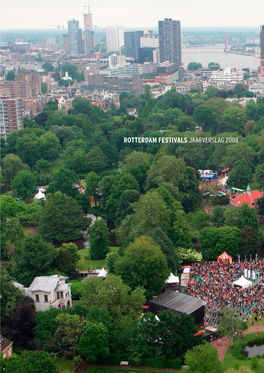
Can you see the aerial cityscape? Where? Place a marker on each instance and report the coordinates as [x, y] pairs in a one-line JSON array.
[[132, 175]]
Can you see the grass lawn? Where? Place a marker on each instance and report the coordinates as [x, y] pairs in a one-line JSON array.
[[84, 264], [230, 360], [128, 370], [65, 366], [26, 230], [57, 165]]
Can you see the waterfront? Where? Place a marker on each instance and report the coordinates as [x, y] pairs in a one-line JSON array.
[[225, 59]]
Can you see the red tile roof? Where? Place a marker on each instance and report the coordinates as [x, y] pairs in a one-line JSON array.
[[248, 198]]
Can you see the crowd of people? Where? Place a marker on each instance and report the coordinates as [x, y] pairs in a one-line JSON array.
[[213, 282]]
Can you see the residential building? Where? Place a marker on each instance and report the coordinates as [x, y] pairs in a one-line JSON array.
[[248, 197], [227, 76], [10, 116], [132, 43], [66, 45], [48, 292], [114, 38], [75, 37], [262, 45], [170, 41], [117, 60], [149, 40], [148, 54], [6, 347]]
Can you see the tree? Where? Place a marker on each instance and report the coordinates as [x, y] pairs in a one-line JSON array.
[[10, 75], [21, 322], [10, 207], [92, 185], [218, 216], [12, 164], [47, 66], [203, 359], [143, 265], [240, 175], [28, 149], [180, 233], [230, 323], [95, 159], [67, 259], [134, 159], [127, 198], [231, 216], [203, 116], [33, 257], [62, 219], [99, 243], [250, 243], [211, 91], [150, 212], [29, 362], [240, 151], [32, 213], [64, 181], [239, 89], [94, 341], [24, 184], [164, 338], [194, 66], [247, 216], [67, 335], [200, 220], [112, 295], [213, 64], [44, 87], [49, 146], [259, 174], [9, 294], [236, 118], [46, 327]]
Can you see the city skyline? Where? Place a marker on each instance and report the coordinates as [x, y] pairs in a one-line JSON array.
[[136, 14]]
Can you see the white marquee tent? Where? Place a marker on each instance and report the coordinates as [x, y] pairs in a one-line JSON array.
[[172, 279], [39, 196], [242, 282]]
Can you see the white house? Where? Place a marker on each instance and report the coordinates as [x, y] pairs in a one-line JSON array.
[[49, 291]]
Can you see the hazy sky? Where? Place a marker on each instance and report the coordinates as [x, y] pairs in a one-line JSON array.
[[34, 14]]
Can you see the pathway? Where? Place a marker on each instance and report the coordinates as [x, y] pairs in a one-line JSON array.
[[221, 344]]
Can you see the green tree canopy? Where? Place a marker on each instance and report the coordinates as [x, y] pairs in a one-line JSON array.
[[10, 75], [99, 243], [64, 181], [24, 184], [12, 164], [229, 324], [62, 219], [67, 259], [94, 341], [203, 359], [143, 265], [194, 66], [113, 295]]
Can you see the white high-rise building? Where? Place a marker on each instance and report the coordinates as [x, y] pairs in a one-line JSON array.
[[114, 38]]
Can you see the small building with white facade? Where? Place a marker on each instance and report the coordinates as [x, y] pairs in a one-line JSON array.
[[49, 291]]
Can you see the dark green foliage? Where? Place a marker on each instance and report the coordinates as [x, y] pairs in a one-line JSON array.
[[29, 362], [143, 265], [24, 184], [99, 243], [67, 259], [94, 341], [203, 359], [250, 243], [10, 75], [62, 219], [65, 182], [194, 66]]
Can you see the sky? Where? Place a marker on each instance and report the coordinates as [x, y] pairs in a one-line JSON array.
[[33, 14]]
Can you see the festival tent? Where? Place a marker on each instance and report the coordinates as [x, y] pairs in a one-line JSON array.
[[172, 279], [102, 273], [39, 196], [242, 282], [224, 257], [208, 176]]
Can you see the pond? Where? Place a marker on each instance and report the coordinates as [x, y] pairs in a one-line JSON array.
[[253, 350]]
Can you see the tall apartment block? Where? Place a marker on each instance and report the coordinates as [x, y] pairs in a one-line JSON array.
[[88, 34], [262, 45], [132, 43], [170, 41], [75, 37], [10, 116], [114, 38]]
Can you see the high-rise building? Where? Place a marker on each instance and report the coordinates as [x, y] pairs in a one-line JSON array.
[[88, 21], [88, 34], [75, 37], [114, 38], [170, 41], [132, 43], [262, 45], [10, 116]]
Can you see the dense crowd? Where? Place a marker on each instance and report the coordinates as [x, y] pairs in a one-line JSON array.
[[213, 282]]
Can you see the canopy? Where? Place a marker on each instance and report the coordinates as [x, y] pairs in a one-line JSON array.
[[172, 279], [39, 196], [102, 273], [224, 257], [208, 176], [242, 282]]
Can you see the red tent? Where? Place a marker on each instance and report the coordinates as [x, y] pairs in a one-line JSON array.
[[224, 257]]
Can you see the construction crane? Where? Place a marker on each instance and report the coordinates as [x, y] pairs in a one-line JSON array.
[[57, 26], [89, 7]]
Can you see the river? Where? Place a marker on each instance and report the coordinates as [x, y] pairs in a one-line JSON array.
[[225, 59]]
